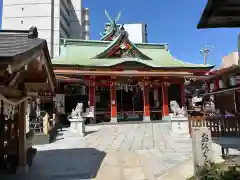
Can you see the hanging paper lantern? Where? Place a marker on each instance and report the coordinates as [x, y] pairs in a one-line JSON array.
[[212, 86], [221, 84], [112, 83], [126, 88], [155, 94], [166, 83], [233, 81], [131, 88], [83, 90]]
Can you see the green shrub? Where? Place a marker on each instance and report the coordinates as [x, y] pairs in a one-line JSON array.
[[217, 172], [232, 173]]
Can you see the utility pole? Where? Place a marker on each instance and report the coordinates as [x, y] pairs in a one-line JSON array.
[[205, 52]]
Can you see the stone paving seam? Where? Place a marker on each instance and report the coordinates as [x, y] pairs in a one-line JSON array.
[[169, 169]]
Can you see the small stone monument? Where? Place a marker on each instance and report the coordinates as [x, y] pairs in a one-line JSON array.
[[77, 121], [202, 148]]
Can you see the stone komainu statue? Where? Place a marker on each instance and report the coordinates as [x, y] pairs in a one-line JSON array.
[[175, 108], [77, 113]]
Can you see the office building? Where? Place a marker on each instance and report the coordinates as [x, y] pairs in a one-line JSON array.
[[54, 19]]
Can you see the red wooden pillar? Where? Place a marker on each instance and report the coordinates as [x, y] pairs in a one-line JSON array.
[[91, 91], [146, 115], [92, 102], [92, 94], [165, 110], [113, 102], [208, 86], [216, 84], [92, 99], [183, 98]]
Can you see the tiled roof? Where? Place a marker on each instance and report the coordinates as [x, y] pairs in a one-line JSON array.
[[13, 43], [17, 45]]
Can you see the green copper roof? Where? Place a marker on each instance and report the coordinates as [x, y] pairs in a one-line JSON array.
[[109, 32], [82, 53], [122, 40]]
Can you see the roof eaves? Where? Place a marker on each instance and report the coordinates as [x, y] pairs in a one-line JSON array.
[[208, 13], [204, 16], [152, 45], [65, 41], [194, 65]]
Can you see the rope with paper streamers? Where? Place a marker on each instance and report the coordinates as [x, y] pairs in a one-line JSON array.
[[13, 103]]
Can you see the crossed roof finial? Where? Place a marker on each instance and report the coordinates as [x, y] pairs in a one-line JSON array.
[[110, 19]]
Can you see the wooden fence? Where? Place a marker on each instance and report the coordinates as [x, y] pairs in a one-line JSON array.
[[219, 126]]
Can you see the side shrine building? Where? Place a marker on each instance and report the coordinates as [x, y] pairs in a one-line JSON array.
[[121, 80]]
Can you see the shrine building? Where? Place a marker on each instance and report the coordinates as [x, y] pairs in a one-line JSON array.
[[123, 80], [223, 84]]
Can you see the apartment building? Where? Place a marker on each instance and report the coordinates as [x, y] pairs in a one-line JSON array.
[[54, 19], [230, 59]]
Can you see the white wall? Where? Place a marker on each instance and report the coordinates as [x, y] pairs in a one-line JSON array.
[[22, 14], [137, 32]]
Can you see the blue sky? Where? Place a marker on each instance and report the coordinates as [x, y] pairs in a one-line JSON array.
[[169, 21]]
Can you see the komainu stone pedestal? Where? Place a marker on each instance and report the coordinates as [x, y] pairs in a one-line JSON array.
[[180, 126], [114, 120], [77, 126], [146, 119]]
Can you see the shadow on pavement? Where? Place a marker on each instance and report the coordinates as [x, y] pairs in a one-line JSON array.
[[63, 164], [89, 132]]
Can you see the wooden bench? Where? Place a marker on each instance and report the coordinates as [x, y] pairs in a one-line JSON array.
[[225, 149]]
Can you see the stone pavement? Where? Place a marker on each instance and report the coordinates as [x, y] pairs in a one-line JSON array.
[[116, 152]]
